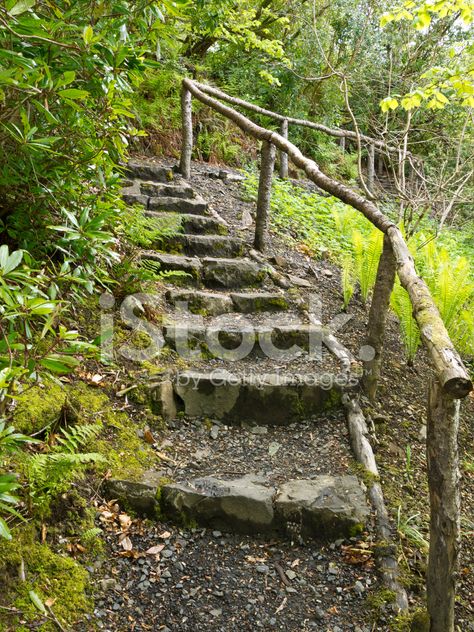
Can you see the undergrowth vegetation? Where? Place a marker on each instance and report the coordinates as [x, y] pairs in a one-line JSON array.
[[329, 228]]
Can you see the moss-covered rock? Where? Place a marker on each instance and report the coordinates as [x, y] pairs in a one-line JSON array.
[[54, 578], [38, 406]]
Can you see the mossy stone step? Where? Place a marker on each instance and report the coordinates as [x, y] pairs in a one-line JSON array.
[[214, 304], [324, 507], [227, 341], [147, 170], [268, 399], [232, 273], [205, 245], [160, 189], [196, 205], [214, 272], [195, 224], [198, 302]]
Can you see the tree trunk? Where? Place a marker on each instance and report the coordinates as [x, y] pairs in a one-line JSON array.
[[443, 480], [342, 143], [378, 316], [371, 168], [283, 155], [187, 132], [264, 194]]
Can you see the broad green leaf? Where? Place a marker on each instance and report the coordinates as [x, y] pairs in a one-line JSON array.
[[21, 7], [13, 261], [88, 34], [73, 93], [36, 601], [423, 20], [4, 530]]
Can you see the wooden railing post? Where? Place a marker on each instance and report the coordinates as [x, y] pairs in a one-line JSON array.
[[342, 143], [443, 480], [264, 194], [371, 168], [284, 155], [377, 317], [187, 133]]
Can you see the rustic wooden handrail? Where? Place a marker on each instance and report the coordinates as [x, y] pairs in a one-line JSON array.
[[330, 131], [452, 381]]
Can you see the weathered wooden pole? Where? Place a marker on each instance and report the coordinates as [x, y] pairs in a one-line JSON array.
[[342, 143], [443, 479], [371, 168], [377, 317], [187, 132], [284, 155], [264, 194], [380, 163]]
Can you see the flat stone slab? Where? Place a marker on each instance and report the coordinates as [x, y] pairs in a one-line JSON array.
[[196, 205], [231, 273], [242, 505], [204, 303], [191, 265], [228, 340], [205, 245], [326, 506], [139, 497], [196, 224], [160, 189], [267, 399], [131, 197], [147, 170], [250, 302]]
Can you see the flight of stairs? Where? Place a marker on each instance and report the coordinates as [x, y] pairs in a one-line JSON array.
[[230, 303]]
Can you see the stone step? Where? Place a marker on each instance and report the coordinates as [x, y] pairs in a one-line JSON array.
[[205, 245], [195, 206], [147, 170], [214, 272], [176, 263], [324, 507], [213, 304], [196, 224], [265, 399], [222, 340], [159, 189], [232, 273]]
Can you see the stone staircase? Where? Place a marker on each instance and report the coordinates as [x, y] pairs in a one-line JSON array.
[[254, 359]]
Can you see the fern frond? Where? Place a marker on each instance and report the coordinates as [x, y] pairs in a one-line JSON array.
[[401, 305], [347, 279], [75, 438]]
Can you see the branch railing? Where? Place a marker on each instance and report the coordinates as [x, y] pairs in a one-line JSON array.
[[451, 382]]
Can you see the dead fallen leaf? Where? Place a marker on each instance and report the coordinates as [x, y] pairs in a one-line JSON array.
[[154, 550], [148, 436], [165, 535], [126, 543]]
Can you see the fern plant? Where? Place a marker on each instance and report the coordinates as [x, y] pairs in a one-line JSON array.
[[347, 279], [51, 473], [401, 305], [367, 252]]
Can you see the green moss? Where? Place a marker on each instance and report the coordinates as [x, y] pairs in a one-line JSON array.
[[50, 575], [275, 303], [126, 453], [361, 472], [377, 601], [38, 406]]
